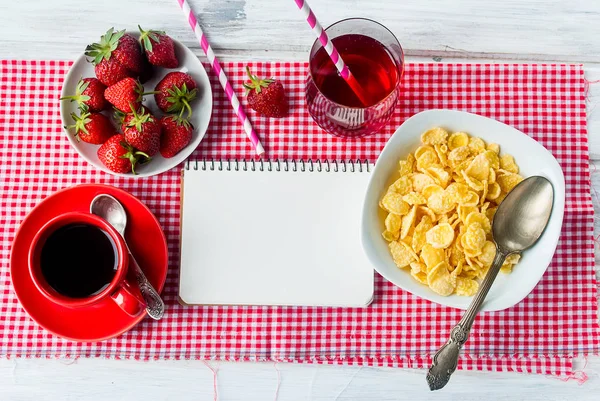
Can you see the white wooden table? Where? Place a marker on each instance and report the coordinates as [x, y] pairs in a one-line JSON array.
[[429, 30]]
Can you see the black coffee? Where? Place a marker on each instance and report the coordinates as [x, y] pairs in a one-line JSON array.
[[79, 260]]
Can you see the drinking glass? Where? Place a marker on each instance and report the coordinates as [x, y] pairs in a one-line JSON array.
[[375, 58]]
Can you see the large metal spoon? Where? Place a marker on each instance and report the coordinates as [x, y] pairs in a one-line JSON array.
[[112, 211], [518, 223]]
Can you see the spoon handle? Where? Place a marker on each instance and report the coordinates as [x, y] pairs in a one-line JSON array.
[[154, 304], [445, 360]]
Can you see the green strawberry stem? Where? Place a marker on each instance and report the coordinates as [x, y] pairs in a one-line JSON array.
[[103, 50], [76, 98], [255, 83], [187, 107], [138, 120], [180, 121], [147, 35], [79, 97], [118, 115], [80, 122], [133, 156], [180, 98], [139, 89]]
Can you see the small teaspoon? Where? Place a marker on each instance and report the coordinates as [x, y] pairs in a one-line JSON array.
[[111, 210]]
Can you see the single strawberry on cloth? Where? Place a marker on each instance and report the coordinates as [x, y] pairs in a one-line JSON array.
[[541, 334]]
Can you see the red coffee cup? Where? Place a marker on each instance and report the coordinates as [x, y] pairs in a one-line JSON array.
[[122, 290]]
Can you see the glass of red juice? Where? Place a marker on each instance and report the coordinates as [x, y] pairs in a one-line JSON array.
[[375, 59]]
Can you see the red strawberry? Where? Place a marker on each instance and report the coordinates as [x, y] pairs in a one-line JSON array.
[[128, 52], [118, 156], [93, 128], [125, 94], [159, 48], [89, 93], [111, 71], [175, 92], [266, 96], [119, 45], [176, 135], [143, 132], [115, 57]]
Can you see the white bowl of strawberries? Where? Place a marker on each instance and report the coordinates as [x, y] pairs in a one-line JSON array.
[[136, 103]]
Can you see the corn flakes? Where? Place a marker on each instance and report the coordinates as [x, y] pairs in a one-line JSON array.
[[466, 286], [479, 168], [405, 167], [440, 280], [508, 181], [432, 256], [507, 162], [440, 236], [393, 203], [478, 217], [474, 238], [393, 223], [420, 181], [400, 253], [402, 185], [407, 222], [419, 236], [431, 189], [414, 198], [441, 208], [389, 236], [435, 136], [457, 140], [494, 147]]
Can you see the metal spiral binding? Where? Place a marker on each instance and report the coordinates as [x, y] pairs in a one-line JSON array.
[[335, 166]]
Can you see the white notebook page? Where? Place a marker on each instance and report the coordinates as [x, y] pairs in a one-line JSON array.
[[273, 238]]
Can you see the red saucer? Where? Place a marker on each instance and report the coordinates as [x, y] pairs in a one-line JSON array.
[[105, 320]]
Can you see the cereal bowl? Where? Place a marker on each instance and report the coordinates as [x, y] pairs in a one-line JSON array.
[[532, 159]]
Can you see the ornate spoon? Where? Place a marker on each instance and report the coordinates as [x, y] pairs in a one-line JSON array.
[[518, 223]]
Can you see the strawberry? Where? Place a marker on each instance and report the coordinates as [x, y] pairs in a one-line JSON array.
[[143, 132], [176, 135], [159, 48], [125, 94], [111, 71], [129, 53], [89, 93], [174, 93], [93, 128], [115, 57], [118, 156], [266, 96], [119, 45]]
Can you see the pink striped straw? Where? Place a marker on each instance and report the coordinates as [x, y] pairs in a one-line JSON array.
[[235, 103], [332, 51]]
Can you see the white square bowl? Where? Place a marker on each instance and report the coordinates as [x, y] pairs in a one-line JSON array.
[[532, 159]]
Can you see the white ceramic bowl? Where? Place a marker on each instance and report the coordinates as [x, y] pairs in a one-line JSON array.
[[532, 158], [201, 106]]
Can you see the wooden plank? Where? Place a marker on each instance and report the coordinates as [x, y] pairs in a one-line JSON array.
[[540, 29], [110, 380]]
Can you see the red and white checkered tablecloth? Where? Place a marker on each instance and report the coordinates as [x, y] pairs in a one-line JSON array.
[[541, 334]]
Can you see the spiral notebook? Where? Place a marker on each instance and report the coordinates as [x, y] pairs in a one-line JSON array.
[[274, 233]]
